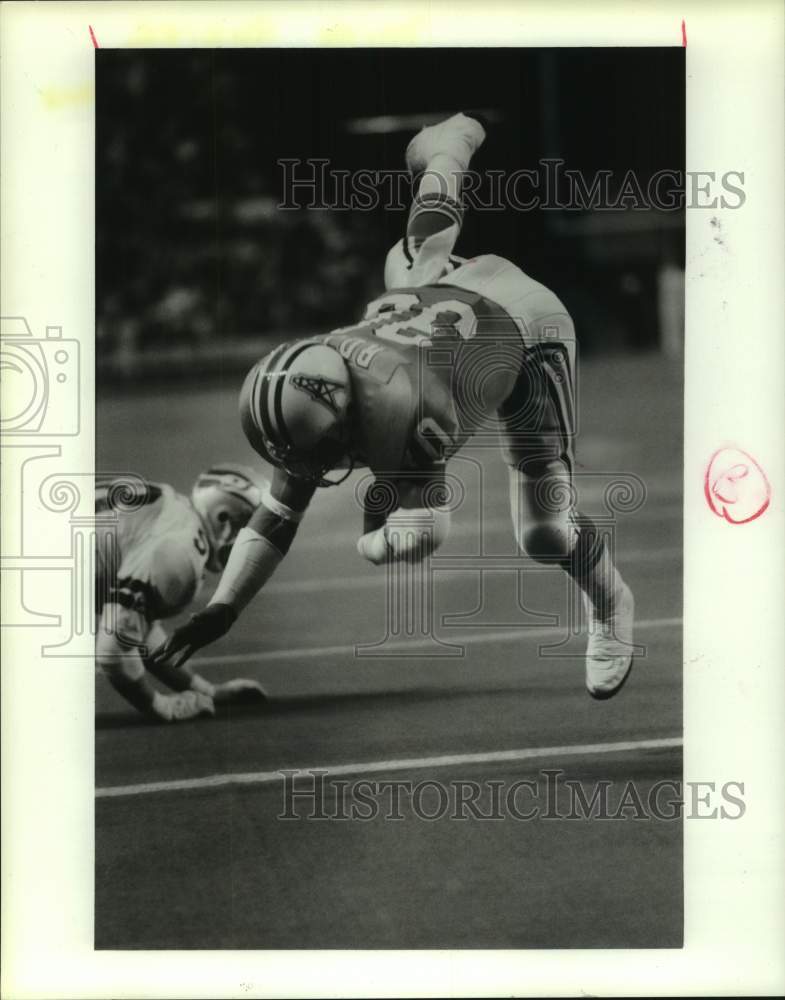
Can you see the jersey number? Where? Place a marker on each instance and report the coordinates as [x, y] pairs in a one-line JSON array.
[[402, 319]]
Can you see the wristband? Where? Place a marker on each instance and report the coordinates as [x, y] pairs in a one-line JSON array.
[[280, 509]]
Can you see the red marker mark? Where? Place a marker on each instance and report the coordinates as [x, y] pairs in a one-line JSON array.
[[683, 33], [736, 487], [95, 43]]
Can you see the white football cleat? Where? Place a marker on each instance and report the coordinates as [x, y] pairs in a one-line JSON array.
[[609, 652], [182, 706], [459, 137]]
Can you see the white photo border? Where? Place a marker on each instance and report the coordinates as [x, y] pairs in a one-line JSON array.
[[734, 683]]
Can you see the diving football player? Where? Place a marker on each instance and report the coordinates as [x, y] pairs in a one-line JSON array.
[[150, 567], [450, 348]]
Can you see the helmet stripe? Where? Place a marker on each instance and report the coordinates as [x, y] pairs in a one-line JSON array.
[[262, 406], [255, 394], [274, 372], [267, 392], [285, 365], [216, 474], [233, 480]]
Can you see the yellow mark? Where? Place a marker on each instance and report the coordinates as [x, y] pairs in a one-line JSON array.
[[64, 97], [302, 26], [146, 33], [212, 34]]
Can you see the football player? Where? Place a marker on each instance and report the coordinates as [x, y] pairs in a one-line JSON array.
[[150, 562], [452, 347]]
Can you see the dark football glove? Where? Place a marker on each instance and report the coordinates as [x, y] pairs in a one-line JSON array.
[[204, 627]]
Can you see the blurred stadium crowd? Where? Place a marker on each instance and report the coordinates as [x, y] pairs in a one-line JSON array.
[[198, 269]]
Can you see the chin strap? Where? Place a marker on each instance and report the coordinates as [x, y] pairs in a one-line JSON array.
[[337, 482]]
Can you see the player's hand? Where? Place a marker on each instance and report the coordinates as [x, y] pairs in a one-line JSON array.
[[458, 137], [239, 692], [182, 706], [375, 547], [204, 627]]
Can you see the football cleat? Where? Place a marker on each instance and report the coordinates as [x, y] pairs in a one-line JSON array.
[[182, 706], [459, 137], [609, 652], [225, 496], [293, 406]]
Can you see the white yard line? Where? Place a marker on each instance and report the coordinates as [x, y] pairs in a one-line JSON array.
[[452, 635], [464, 527], [370, 767], [495, 565]]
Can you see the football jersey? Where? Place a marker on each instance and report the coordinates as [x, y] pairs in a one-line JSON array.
[[153, 559], [431, 365]]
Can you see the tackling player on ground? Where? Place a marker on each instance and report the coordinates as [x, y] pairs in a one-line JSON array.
[[452, 347], [150, 567]]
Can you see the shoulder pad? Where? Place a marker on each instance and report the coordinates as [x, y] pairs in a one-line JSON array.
[[159, 578]]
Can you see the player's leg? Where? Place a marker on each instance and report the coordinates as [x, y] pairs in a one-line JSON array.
[[550, 531], [439, 156], [121, 638], [538, 445]]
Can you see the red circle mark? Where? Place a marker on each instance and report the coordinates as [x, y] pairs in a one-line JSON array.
[[735, 486], [683, 33], [92, 35]]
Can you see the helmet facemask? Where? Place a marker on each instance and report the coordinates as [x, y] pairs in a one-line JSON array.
[[223, 523], [225, 497]]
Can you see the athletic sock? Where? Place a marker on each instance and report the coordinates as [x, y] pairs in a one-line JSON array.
[[591, 566]]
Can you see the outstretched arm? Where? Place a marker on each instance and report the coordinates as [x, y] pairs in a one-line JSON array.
[[441, 155], [262, 545]]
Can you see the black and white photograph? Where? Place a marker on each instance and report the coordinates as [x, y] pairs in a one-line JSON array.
[[391, 453], [389, 412]]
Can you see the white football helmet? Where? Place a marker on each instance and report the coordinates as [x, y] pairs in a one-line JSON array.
[[225, 496], [293, 406]]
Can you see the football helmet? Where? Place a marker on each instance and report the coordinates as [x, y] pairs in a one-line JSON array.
[[293, 406], [225, 496]]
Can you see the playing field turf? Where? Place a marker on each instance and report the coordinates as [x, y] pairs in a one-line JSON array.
[[190, 855]]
